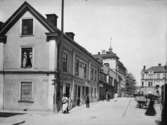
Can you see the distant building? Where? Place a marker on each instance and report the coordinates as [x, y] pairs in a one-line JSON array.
[[118, 75], [152, 78], [38, 64]]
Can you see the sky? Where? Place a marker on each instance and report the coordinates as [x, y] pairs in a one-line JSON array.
[[138, 28]]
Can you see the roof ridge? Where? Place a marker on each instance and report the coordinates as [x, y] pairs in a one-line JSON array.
[[19, 12]]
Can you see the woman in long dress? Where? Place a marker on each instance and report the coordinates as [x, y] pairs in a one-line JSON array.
[[151, 110], [65, 104]]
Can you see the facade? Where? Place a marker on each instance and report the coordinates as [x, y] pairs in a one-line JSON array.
[[117, 70], [38, 63], [152, 78], [79, 71]]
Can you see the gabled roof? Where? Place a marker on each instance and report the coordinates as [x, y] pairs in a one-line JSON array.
[[19, 12], [52, 30], [156, 69]]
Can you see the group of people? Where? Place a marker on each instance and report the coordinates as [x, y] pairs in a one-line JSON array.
[[67, 103]]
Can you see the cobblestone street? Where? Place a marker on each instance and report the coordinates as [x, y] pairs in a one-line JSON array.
[[122, 111]]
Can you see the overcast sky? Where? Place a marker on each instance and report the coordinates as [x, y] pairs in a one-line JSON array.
[[138, 27]]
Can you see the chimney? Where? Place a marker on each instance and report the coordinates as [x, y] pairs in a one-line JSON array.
[[144, 67], [159, 64], [52, 19], [98, 53], [70, 34]]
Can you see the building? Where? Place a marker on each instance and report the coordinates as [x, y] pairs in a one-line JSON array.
[[79, 71], [117, 69], [106, 82], [38, 63], [152, 78]]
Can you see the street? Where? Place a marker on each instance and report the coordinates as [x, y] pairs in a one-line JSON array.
[[122, 111]]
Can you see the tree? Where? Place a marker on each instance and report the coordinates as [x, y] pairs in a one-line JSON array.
[[130, 85]]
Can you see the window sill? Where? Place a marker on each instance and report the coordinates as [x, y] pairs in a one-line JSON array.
[[26, 35], [26, 101]]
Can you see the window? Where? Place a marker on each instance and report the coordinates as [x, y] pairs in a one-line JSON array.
[[64, 62], [91, 73], [84, 67], [27, 26], [26, 91], [26, 57], [77, 67]]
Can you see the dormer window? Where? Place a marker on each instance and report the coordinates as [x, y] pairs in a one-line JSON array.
[[27, 27]]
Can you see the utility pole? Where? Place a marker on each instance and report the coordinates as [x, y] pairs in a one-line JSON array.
[[62, 16], [57, 87]]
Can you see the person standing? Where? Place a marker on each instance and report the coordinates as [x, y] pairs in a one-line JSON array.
[[65, 104], [87, 102], [151, 110]]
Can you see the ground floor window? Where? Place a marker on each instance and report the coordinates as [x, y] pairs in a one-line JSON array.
[[26, 91]]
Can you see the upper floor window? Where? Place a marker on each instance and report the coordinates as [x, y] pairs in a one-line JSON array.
[[77, 67], [27, 27], [26, 91], [64, 62], [26, 57], [91, 73], [85, 69]]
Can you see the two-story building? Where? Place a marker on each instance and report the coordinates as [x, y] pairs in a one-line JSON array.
[[38, 63]]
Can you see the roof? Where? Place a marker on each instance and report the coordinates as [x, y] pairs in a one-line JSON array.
[[19, 12], [27, 7], [157, 69], [108, 54]]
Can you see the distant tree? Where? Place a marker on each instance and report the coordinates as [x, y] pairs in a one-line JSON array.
[[130, 85]]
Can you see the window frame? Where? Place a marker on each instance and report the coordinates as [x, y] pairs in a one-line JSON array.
[[32, 62], [77, 67], [66, 62], [21, 26], [20, 93]]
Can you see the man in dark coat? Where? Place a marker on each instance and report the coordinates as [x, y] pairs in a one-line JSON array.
[[87, 102]]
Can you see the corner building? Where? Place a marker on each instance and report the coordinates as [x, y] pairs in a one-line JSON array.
[[38, 63]]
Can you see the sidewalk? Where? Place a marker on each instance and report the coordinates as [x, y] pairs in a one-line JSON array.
[[120, 112]]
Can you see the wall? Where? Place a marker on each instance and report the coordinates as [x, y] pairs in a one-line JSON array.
[[44, 59], [42, 92], [15, 41], [112, 63]]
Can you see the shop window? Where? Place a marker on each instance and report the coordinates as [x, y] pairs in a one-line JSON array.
[[26, 57], [27, 27]]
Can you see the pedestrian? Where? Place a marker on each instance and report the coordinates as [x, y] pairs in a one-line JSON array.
[[65, 103], [87, 102], [107, 96], [115, 97], [150, 111]]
